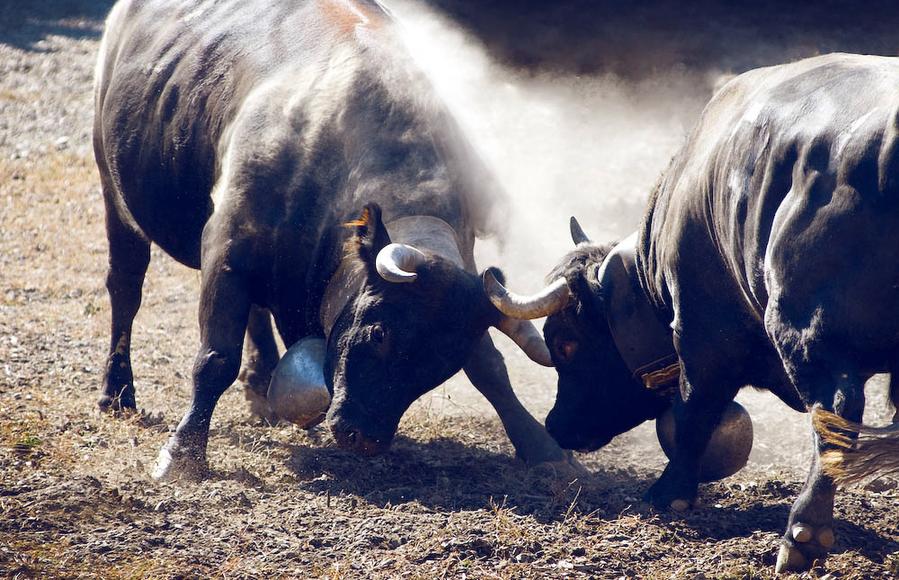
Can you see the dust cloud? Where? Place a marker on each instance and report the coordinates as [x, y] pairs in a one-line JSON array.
[[559, 144], [588, 145]]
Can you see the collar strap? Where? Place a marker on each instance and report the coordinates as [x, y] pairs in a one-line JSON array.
[[644, 342], [660, 375]]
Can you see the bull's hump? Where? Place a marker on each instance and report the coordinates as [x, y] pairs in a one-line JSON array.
[[348, 16]]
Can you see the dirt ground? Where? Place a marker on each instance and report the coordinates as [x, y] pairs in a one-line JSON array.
[[449, 499]]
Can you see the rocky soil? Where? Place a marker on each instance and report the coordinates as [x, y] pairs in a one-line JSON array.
[[449, 500]]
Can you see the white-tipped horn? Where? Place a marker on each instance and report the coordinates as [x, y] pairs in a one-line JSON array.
[[548, 301], [397, 262], [528, 339]]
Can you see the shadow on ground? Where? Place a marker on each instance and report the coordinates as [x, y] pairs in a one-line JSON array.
[[714, 521], [444, 474], [24, 23]]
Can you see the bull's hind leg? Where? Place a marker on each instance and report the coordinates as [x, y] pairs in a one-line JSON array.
[[260, 359], [224, 310], [487, 372], [129, 256], [824, 378]]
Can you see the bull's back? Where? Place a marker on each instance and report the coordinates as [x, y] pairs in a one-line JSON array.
[[791, 175], [172, 76]]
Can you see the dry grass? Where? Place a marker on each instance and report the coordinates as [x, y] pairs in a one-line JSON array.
[[448, 501]]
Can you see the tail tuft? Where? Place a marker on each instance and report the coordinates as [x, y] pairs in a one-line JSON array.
[[875, 453]]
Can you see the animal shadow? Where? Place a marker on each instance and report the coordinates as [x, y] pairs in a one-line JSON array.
[[729, 513], [444, 474]]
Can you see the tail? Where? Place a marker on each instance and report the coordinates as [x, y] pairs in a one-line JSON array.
[[874, 453]]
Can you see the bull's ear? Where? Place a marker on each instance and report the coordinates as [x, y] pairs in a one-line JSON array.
[[370, 235], [589, 292], [577, 232]]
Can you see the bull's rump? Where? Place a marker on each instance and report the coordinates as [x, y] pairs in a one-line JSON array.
[[174, 75], [788, 187]]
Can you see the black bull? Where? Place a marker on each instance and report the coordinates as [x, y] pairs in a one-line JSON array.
[[769, 256], [241, 137]]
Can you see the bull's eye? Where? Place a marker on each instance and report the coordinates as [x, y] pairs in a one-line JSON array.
[[565, 350], [377, 334]]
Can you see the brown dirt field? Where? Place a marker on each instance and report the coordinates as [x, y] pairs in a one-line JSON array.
[[449, 500]]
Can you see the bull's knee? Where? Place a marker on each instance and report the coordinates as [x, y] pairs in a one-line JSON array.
[[214, 371]]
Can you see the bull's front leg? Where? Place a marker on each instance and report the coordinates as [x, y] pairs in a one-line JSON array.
[[697, 412], [487, 372], [224, 309]]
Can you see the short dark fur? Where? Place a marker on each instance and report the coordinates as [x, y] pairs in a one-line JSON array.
[[241, 136], [770, 246]]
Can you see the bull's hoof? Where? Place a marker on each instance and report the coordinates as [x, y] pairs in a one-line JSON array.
[[118, 404], [790, 559], [680, 505], [802, 545], [671, 493], [567, 469], [259, 407], [174, 464]]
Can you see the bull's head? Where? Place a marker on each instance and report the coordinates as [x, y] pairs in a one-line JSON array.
[[597, 398], [412, 323]]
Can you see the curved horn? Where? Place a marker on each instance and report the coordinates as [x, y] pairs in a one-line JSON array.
[[548, 301], [577, 232], [526, 336], [397, 262]]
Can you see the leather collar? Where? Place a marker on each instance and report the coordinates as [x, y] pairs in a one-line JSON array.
[[644, 342]]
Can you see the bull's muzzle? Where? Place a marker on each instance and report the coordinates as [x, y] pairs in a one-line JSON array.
[[352, 438]]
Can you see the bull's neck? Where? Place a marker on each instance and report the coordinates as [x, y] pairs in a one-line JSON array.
[[425, 233], [646, 260]]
